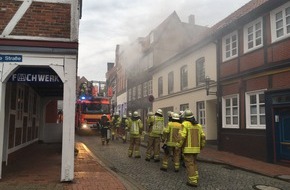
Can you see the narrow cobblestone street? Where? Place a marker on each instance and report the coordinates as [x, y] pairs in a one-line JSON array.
[[147, 175]]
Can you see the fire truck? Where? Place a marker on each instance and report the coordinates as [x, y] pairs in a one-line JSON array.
[[89, 110]]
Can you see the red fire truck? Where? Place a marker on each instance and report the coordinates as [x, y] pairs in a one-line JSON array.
[[89, 111]]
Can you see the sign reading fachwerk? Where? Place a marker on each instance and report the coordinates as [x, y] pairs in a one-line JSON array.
[[24, 77], [10, 58]]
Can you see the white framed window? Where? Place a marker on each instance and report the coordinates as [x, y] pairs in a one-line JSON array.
[[150, 87], [134, 92], [280, 22], [230, 46], [129, 94], [160, 86], [145, 89], [253, 35], [200, 71], [170, 82], [255, 110], [201, 112], [183, 77], [139, 93], [230, 106]]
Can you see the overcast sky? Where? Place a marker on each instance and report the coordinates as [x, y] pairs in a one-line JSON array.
[[106, 23]]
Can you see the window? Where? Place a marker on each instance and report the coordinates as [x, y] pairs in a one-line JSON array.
[[200, 73], [150, 87], [145, 88], [280, 22], [230, 46], [255, 110], [170, 82], [134, 93], [160, 86], [183, 77], [183, 107], [139, 90], [253, 35], [129, 95], [200, 112], [231, 112]]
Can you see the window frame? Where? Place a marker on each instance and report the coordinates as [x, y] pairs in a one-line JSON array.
[[160, 86], [201, 112], [200, 72], [183, 77], [273, 14], [254, 40], [258, 115], [224, 42], [170, 82], [231, 125]]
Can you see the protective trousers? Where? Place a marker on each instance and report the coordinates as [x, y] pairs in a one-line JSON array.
[[153, 145], [191, 168], [134, 145], [176, 158]]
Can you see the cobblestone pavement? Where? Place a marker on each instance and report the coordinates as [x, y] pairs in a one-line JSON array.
[[147, 175]]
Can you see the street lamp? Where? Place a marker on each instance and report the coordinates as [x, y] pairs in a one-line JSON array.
[[208, 81]]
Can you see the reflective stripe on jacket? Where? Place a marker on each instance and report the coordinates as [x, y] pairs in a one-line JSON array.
[[174, 136], [192, 136], [157, 128]]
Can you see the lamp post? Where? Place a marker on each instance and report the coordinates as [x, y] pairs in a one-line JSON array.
[[208, 81]]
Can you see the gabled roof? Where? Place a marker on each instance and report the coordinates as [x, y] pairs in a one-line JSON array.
[[244, 10]]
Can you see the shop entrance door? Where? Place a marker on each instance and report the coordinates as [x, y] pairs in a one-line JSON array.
[[282, 134]]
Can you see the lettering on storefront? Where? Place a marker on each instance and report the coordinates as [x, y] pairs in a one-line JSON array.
[[24, 77]]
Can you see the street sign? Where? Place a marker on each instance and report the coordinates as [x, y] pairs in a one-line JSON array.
[[10, 58]]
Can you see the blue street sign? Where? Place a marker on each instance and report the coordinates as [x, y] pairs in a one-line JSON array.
[[10, 58]]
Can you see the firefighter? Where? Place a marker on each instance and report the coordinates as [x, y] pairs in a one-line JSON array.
[[105, 129], [123, 125], [135, 130], [172, 138], [115, 124], [149, 122], [192, 141], [154, 137]]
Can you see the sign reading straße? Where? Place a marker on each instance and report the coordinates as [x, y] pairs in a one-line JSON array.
[[10, 58]]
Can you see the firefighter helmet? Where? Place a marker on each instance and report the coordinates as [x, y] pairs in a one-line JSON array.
[[117, 113], [130, 114], [159, 111], [188, 114], [124, 116], [150, 113], [175, 116], [135, 114]]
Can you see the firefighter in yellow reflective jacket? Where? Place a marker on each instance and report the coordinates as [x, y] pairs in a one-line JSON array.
[[172, 138], [115, 124], [154, 138], [193, 140], [135, 130]]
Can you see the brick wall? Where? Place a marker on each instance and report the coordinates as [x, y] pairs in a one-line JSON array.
[[40, 20]]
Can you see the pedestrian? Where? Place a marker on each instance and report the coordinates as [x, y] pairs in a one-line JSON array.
[[135, 130], [105, 129], [154, 137], [171, 135], [122, 130], [192, 141], [115, 124]]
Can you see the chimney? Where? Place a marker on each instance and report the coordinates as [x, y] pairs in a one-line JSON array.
[[191, 19], [110, 66]]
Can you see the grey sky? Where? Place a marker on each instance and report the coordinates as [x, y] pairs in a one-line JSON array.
[[106, 23]]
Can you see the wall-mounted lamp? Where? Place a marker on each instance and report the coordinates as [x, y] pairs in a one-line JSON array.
[[208, 81]]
